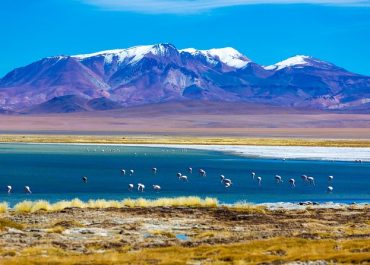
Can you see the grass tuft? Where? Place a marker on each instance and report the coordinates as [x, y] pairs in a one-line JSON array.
[[23, 207], [249, 208], [4, 207], [41, 205], [167, 234]]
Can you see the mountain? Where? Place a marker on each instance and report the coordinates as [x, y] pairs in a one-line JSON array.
[[161, 73], [73, 103]]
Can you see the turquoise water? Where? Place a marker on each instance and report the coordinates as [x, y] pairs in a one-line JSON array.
[[54, 172]]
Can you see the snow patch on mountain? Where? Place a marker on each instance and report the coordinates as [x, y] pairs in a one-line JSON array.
[[130, 55], [298, 60], [228, 56]]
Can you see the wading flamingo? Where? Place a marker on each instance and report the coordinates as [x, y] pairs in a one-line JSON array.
[[140, 187], [27, 189], [227, 182], [278, 179]]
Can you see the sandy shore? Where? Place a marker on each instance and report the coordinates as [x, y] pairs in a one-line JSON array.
[[284, 152], [187, 235]]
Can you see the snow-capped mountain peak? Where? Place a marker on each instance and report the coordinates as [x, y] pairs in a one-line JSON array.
[[228, 56], [298, 61], [129, 55]]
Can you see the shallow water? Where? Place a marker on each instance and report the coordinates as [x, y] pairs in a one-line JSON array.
[[54, 172]]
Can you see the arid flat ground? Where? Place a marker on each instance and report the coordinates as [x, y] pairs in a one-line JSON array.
[[193, 119], [187, 235]]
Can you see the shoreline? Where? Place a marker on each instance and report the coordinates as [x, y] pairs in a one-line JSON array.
[[320, 153], [288, 152], [121, 200], [30, 205]]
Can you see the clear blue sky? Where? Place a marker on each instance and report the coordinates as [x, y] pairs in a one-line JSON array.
[[338, 32]]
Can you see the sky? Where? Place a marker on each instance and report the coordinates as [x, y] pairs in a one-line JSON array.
[[266, 31]]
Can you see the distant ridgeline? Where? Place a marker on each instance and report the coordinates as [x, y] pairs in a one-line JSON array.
[[162, 73]]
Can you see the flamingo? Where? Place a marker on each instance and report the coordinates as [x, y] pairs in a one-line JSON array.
[[202, 172], [278, 179], [253, 175], [329, 189], [330, 178], [84, 179], [292, 182], [130, 186], [304, 178], [27, 189], [190, 170], [259, 180], [154, 170], [9, 188], [311, 180], [140, 187], [225, 181], [156, 187], [182, 177], [131, 172], [123, 171]]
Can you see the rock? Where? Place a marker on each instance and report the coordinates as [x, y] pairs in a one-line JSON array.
[[15, 231]]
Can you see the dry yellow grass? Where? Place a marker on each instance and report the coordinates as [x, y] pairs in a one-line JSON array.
[[276, 250], [249, 208], [191, 201], [163, 233], [7, 223], [181, 140], [23, 207], [56, 229], [4, 207], [31, 207]]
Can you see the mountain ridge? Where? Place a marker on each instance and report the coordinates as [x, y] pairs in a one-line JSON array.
[[160, 73]]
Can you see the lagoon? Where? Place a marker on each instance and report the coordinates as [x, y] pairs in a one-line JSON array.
[[54, 172]]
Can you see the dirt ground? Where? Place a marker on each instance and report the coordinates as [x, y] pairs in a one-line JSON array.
[[210, 119], [186, 235]]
